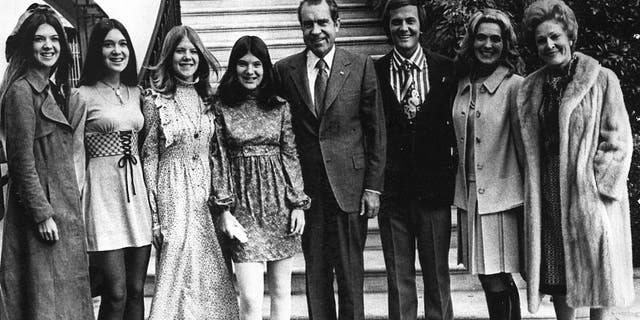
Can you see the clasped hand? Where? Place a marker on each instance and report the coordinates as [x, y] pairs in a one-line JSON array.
[[48, 230]]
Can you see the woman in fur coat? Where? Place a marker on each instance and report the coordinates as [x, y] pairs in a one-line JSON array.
[[577, 152]]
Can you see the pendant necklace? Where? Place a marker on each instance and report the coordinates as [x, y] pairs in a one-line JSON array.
[[197, 125], [116, 91]]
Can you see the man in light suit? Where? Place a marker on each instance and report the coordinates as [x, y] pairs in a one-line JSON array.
[[417, 92], [339, 125]]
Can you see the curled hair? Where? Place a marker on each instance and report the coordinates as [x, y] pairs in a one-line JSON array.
[[21, 57], [163, 75], [397, 4], [545, 10], [231, 92], [94, 67], [466, 60], [333, 8]]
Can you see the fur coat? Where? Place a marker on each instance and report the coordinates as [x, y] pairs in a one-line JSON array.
[[595, 156]]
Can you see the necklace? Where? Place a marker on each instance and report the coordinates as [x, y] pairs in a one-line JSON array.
[[116, 91], [197, 123]]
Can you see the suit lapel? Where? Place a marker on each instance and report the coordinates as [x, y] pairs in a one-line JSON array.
[[300, 79], [436, 77], [385, 78], [339, 73]]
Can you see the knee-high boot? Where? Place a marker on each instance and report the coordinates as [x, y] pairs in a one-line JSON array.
[[515, 301], [499, 304]]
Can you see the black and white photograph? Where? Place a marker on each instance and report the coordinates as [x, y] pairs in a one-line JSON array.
[[319, 159]]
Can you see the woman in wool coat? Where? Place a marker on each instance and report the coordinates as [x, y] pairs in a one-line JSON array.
[[489, 191], [44, 269], [577, 152]]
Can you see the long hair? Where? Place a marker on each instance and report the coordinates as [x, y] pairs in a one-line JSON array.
[[94, 68], [163, 75], [466, 61], [230, 91], [21, 58]]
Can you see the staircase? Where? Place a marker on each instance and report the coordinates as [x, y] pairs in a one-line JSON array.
[[220, 23]]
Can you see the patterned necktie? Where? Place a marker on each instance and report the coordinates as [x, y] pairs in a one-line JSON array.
[[320, 87], [410, 97]]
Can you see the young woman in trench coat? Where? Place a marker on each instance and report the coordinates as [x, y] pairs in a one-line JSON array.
[[44, 268]]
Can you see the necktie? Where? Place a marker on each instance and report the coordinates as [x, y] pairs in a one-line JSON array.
[[320, 87], [410, 97]]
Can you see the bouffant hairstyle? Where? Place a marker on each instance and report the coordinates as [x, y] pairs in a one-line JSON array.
[[94, 68], [466, 61], [397, 4], [163, 76], [231, 92], [545, 10]]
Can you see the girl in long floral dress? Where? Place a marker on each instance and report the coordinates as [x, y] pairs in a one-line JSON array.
[[192, 279]]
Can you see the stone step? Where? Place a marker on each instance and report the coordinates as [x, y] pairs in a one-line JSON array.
[[269, 30], [466, 305], [188, 4], [374, 263], [210, 13], [375, 279], [281, 48]]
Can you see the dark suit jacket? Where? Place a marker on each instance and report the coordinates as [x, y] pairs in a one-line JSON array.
[[348, 141], [420, 162]]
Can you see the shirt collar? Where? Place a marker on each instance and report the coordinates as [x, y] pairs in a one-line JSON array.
[[418, 59], [312, 59], [36, 80], [491, 83]]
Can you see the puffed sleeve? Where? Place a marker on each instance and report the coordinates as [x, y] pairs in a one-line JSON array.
[[77, 118], [615, 144], [222, 195], [151, 152], [20, 124], [291, 166]]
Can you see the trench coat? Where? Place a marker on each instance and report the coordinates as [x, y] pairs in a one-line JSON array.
[[41, 280], [595, 156]]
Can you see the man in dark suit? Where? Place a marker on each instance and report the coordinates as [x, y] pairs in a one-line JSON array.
[[417, 95], [338, 120]]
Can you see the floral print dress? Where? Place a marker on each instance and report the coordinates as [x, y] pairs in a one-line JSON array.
[[266, 177], [192, 278]]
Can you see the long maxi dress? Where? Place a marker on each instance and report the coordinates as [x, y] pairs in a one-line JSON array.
[[192, 279]]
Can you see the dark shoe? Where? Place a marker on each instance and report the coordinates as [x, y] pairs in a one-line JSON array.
[[499, 305]]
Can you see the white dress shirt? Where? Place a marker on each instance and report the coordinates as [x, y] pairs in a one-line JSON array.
[[312, 71]]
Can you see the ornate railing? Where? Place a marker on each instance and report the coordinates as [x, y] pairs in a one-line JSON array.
[[168, 17]]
